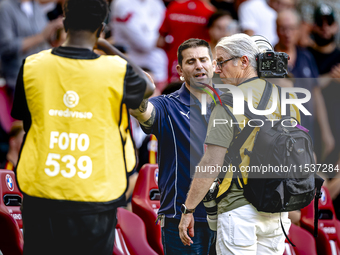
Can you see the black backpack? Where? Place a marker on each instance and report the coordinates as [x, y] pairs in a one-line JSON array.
[[291, 183]]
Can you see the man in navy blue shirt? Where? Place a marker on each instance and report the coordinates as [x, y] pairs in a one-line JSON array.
[[180, 128]]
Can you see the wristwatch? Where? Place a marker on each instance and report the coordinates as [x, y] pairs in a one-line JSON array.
[[185, 210]]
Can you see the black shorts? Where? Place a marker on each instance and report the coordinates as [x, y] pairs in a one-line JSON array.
[[68, 233]]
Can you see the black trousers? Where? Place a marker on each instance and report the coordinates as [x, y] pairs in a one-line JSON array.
[[82, 234]]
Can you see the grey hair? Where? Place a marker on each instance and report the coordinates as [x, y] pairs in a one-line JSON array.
[[239, 45]]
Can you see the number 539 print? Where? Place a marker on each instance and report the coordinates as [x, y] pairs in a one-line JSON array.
[[84, 164]]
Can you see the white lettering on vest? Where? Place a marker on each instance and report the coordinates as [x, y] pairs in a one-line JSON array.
[[63, 137], [63, 140], [53, 138], [73, 138], [69, 141], [85, 146]]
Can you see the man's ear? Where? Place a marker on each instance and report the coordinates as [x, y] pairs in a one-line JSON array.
[[244, 62], [179, 70], [65, 24], [100, 29], [214, 63]]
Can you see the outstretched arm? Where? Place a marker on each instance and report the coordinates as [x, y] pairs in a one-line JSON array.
[[145, 113], [110, 50]]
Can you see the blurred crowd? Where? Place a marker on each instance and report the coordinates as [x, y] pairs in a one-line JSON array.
[[149, 33]]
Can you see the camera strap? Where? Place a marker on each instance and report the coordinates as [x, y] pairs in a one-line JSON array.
[[233, 154]]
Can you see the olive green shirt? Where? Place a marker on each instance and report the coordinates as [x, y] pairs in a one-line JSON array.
[[220, 132]]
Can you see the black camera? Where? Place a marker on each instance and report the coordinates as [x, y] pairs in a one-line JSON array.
[[272, 64], [210, 204]]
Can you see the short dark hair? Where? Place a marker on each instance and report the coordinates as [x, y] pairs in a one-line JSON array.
[[192, 43], [215, 16], [85, 14]]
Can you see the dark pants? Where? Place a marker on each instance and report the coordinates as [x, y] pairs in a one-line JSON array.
[[204, 239], [69, 234]]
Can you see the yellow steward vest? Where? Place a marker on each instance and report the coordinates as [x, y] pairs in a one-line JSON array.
[[257, 86], [74, 149]]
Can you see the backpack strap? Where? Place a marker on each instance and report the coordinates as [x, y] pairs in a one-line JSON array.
[[287, 105], [318, 183], [244, 134], [284, 232], [234, 149], [265, 96], [227, 98]]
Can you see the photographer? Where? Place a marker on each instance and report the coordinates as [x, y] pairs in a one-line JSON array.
[[241, 229], [74, 163]]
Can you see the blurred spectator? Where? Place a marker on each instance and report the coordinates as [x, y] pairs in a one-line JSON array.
[[302, 65], [327, 57], [183, 20], [56, 12], [166, 2], [281, 5], [23, 31], [306, 8], [220, 24], [135, 24], [16, 136], [226, 5], [256, 17], [47, 5]]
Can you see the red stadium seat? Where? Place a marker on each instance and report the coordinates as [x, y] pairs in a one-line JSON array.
[[303, 240], [145, 203], [289, 249], [11, 239], [10, 196], [328, 241], [130, 235], [120, 245]]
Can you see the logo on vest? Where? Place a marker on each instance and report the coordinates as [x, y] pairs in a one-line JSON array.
[[71, 99]]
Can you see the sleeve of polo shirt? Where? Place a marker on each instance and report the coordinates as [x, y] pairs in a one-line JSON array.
[[219, 134], [20, 109], [134, 88]]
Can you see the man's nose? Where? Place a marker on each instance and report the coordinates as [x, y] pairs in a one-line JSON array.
[[199, 65]]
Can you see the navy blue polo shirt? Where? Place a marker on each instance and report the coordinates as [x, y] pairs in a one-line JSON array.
[[181, 130]]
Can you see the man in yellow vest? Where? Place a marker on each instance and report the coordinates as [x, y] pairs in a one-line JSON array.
[[241, 229], [72, 168]]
